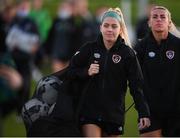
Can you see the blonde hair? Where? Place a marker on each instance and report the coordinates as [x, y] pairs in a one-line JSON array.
[[172, 27], [124, 33]]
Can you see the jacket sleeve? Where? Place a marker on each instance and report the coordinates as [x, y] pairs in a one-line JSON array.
[[79, 63], [135, 79]]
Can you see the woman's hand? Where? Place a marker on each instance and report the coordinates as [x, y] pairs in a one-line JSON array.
[[144, 123], [93, 69]]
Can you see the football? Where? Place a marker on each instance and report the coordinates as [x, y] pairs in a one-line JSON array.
[[34, 109], [47, 89]]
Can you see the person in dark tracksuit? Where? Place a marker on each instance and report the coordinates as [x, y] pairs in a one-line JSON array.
[[159, 56], [23, 42], [107, 64]]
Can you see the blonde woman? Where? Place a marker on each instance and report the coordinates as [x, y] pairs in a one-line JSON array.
[[112, 66], [159, 56]]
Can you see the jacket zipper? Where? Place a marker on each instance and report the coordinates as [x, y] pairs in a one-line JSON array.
[[104, 68]]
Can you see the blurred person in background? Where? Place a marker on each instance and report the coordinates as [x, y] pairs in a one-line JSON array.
[[159, 56], [98, 15], [142, 28], [84, 22], [7, 16], [10, 79], [59, 43], [23, 41], [108, 65], [43, 20], [10, 83], [72, 27]]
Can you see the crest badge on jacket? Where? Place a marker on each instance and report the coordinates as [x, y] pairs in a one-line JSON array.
[[116, 58], [170, 54]]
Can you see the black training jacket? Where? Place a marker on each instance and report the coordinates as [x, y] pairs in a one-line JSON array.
[[161, 70], [105, 94]]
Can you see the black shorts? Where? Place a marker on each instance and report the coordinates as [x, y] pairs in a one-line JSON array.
[[108, 127], [169, 126]]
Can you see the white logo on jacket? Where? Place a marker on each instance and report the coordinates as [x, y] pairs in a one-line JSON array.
[[170, 54], [97, 55], [120, 128], [151, 54], [116, 58], [77, 52]]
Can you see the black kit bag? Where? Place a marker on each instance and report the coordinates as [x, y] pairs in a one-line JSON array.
[[63, 116], [60, 119]]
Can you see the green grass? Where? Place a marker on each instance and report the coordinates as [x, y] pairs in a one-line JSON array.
[[12, 128], [130, 129]]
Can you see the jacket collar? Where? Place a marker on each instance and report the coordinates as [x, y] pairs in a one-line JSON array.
[[153, 41]]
